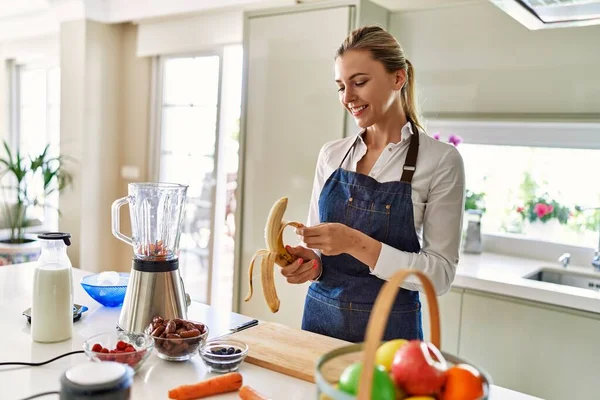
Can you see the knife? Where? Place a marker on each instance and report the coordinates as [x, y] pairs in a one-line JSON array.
[[245, 325]]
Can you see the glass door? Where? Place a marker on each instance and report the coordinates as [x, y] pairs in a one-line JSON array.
[[199, 110]]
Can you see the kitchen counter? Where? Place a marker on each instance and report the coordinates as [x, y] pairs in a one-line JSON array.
[[156, 376], [505, 275]]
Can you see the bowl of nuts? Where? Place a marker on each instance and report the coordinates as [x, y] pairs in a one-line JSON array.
[[124, 347], [177, 339], [223, 355]]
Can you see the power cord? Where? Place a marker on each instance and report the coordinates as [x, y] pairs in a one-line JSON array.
[[35, 396], [41, 363]]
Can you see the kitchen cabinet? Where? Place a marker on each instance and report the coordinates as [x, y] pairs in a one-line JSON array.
[[450, 309], [546, 351], [290, 110]]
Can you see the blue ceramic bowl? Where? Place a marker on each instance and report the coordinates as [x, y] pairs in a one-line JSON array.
[[107, 295]]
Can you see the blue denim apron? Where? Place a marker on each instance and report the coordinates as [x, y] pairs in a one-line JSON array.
[[340, 303]]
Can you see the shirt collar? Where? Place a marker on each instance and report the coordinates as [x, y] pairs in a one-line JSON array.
[[405, 133]]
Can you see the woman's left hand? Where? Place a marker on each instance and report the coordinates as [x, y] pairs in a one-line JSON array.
[[329, 238]]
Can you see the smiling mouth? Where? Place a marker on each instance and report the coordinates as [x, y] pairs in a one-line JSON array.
[[356, 111]]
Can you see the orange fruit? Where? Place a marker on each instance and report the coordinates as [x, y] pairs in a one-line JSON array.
[[463, 382]]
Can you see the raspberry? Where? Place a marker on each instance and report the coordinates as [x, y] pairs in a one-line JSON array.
[[97, 347], [104, 350], [121, 345], [129, 349]]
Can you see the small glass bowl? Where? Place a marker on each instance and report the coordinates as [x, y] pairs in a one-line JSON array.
[[223, 355], [179, 349], [142, 343]]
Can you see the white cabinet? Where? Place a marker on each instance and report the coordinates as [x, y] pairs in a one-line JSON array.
[[549, 352], [290, 110], [450, 309]]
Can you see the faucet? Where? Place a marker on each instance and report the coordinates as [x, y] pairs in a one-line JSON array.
[[596, 259], [565, 259]]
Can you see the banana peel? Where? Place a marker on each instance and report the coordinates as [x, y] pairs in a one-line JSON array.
[[275, 253]]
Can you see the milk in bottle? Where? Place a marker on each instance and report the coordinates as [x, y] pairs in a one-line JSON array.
[[52, 307]]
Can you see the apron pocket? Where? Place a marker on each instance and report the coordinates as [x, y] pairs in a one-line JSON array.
[[371, 218]]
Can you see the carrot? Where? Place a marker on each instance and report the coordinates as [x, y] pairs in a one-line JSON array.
[[247, 393], [220, 384]]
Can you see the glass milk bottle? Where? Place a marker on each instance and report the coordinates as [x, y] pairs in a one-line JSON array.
[[52, 307]]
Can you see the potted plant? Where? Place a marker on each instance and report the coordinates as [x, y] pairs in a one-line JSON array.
[[541, 214], [26, 184]]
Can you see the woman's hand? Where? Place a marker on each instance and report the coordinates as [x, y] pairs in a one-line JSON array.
[[306, 268], [330, 238]]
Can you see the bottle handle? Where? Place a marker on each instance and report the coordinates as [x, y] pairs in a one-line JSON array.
[[116, 219]]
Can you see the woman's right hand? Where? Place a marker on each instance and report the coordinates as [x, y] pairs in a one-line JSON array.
[[306, 268]]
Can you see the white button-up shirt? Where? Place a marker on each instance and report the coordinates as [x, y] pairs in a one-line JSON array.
[[438, 187]]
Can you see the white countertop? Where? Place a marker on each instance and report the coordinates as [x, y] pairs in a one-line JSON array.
[[156, 376], [505, 275]]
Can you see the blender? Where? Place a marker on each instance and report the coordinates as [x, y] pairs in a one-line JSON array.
[[155, 286]]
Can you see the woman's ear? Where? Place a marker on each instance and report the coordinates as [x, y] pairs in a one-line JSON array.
[[399, 79]]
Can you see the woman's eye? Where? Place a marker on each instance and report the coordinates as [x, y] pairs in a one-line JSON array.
[[360, 83], [341, 89]]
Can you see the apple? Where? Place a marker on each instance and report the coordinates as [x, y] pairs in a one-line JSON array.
[[386, 352], [416, 371], [382, 388]]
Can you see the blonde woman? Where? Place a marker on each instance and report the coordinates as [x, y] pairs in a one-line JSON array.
[[390, 197]]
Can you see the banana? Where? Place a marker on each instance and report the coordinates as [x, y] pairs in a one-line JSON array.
[[275, 253]]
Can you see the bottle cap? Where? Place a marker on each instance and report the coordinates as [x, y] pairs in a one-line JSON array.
[[65, 237]]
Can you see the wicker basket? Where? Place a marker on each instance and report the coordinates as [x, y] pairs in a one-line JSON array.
[[330, 365]]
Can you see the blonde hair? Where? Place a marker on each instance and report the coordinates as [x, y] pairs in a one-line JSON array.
[[386, 49]]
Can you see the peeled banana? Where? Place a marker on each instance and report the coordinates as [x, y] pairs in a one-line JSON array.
[[275, 253]]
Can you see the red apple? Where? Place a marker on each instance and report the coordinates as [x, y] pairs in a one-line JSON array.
[[415, 369]]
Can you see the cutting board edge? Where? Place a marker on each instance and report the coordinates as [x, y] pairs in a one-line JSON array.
[[283, 370]]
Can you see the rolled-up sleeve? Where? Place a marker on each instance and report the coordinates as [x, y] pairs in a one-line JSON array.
[[442, 227]]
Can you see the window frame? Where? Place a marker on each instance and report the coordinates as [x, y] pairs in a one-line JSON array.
[[530, 131]]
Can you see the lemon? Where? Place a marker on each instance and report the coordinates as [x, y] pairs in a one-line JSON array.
[[386, 352]]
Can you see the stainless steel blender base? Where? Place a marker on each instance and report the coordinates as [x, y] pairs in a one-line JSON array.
[[150, 294]]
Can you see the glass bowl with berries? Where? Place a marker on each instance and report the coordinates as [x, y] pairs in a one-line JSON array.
[[223, 355], [127, 348], [177, 339]]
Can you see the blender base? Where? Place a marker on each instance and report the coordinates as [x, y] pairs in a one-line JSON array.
[[155, 289]]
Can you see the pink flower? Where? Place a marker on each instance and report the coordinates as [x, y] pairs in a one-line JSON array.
[[436, 136], [542, 209], [520, 209], [455, 140]]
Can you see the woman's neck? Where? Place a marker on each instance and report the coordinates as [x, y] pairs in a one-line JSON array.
[[388, 130]]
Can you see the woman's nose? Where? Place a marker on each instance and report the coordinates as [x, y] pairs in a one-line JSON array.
[[348, 96]]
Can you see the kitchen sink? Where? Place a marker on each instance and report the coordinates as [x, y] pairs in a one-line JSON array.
[[567, 278]]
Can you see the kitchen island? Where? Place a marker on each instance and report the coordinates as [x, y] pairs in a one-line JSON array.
[[155, 377]]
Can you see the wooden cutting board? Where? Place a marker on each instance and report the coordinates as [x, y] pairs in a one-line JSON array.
[[292, 352]]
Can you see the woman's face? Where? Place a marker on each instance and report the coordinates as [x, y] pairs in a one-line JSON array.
[[365, 88]]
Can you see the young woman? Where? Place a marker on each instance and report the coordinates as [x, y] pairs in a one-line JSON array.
[[389, 198]]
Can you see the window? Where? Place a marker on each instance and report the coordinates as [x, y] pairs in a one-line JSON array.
[[539, 180], [36, 110], [199, 111]]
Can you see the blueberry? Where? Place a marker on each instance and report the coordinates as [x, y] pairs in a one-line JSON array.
[[230, 350], [237, 351], [224, 351]]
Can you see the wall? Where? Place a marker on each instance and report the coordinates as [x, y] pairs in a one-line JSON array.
[[104, 125], [476, 59], [72, 98], [136, 81]]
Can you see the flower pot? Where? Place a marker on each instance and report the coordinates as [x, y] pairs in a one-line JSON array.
[[547, 231], [17, 253]]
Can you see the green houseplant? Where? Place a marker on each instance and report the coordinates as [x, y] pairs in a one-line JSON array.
[[26, 184]]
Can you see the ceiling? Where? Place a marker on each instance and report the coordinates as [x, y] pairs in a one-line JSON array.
[[9, 8], [407, 5]]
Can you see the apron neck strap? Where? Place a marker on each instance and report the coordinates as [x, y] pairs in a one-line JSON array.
[[410, 164]]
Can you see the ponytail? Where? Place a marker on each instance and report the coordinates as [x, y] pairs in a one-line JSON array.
[[409, 96]]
